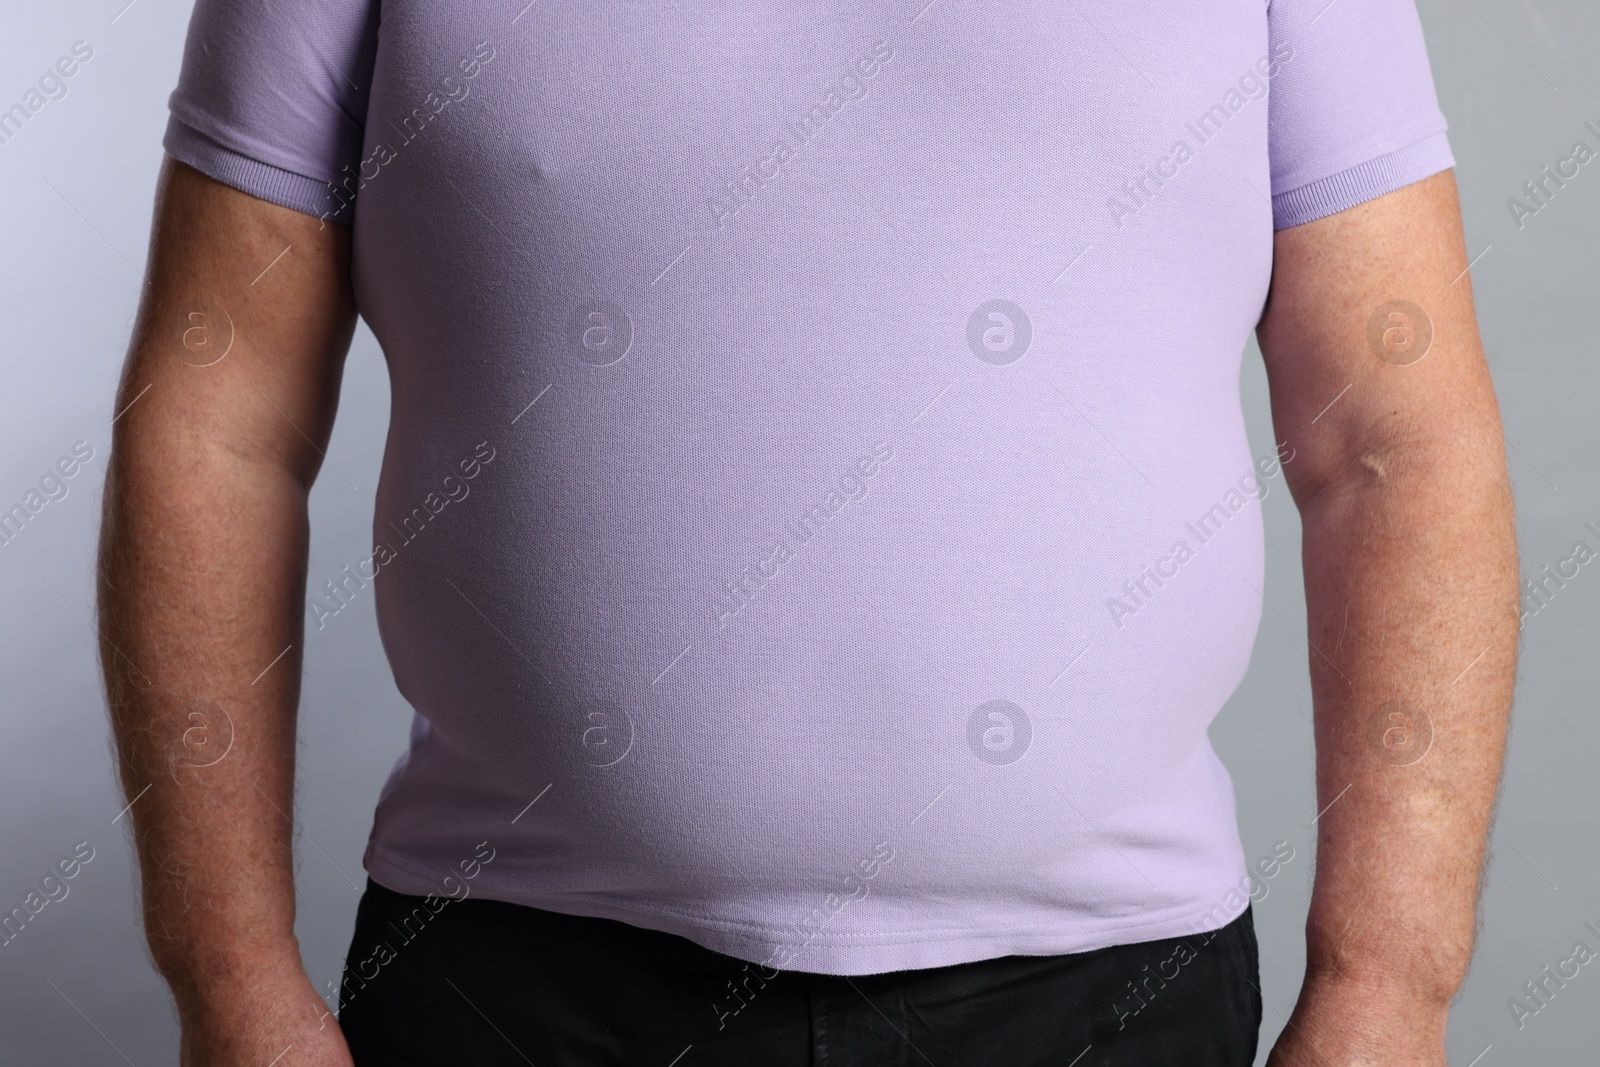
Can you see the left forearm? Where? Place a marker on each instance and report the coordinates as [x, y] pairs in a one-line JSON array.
[[1380, 384], [1411, 588]]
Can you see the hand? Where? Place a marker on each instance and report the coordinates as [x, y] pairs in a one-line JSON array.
[[270, 1016], [1350, 1023]]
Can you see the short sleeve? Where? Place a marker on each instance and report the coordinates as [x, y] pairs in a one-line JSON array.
[[1353, 113], [272, 97]]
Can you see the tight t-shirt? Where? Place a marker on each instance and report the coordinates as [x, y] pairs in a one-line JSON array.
[[816, 518]]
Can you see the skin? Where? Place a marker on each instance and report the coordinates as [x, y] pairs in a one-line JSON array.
[[1409, 554], [1409, 561], [201, 587]]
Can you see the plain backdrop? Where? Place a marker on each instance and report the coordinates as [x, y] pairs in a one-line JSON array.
[[1517, 81]]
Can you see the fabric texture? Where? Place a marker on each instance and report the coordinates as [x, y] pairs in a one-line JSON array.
[[1354, 114], [817, 518]]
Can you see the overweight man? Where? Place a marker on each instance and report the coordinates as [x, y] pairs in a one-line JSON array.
[[816, 528]]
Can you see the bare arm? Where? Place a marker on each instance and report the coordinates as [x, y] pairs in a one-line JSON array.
[[201, 587], [1411, 588]]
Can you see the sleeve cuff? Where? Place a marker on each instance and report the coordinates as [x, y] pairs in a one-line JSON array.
[[262, 180], [1363, 182]]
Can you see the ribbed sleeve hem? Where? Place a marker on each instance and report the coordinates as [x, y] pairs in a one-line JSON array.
[[1363, 182], [263, 180]]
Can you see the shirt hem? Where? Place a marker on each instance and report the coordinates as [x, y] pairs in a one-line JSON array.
[[249, 175], [1362, 182], [850, 954]]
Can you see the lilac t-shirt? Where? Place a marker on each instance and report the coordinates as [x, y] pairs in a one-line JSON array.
[[816, 517]]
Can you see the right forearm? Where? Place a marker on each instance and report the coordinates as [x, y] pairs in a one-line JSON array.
[[202, 564], [224, 413]]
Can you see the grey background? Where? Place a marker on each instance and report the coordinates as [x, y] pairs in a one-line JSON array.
[[1516, 80]]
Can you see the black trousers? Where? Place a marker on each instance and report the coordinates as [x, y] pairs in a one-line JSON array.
[[483, 983]]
